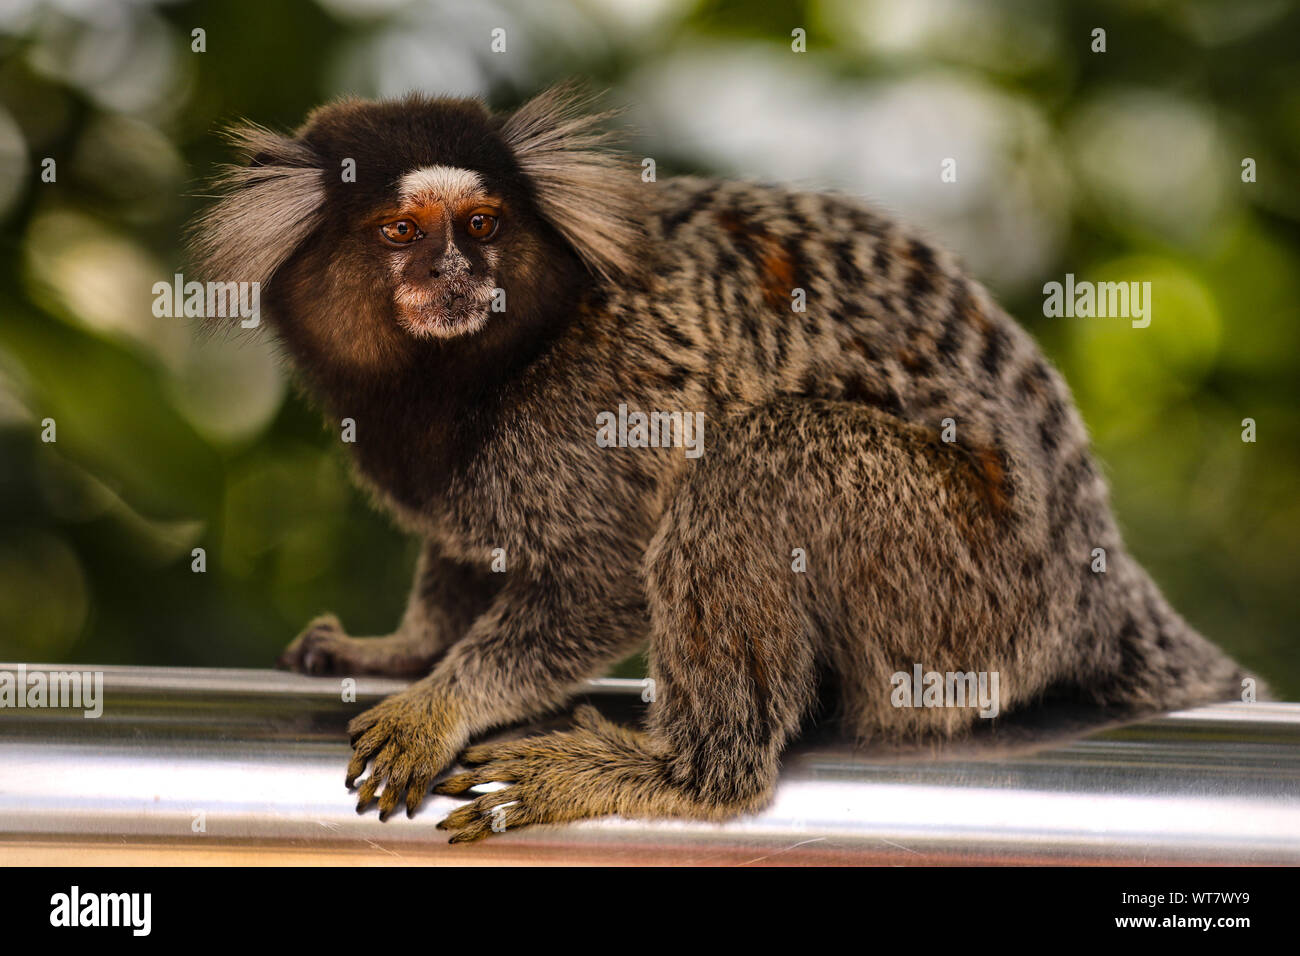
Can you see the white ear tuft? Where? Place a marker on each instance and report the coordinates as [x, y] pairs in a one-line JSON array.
[[589, 193], [265, 211]]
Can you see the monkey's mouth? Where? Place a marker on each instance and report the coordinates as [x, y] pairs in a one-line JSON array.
[[443, 311]]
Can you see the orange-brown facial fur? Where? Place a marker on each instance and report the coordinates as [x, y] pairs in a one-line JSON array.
[[440, 239]]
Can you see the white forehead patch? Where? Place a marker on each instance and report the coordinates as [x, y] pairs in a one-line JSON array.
[[439, 184]]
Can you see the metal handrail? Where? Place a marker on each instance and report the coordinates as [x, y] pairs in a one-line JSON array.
[[212, 766]]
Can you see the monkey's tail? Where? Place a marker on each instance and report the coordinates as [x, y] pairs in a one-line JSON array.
[[1158, 662]]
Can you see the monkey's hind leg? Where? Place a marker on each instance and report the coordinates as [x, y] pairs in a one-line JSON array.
[[596, 769], [732, 652]]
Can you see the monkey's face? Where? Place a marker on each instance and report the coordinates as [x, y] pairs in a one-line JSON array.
[[440, 243], [437, 224], [384, 229]]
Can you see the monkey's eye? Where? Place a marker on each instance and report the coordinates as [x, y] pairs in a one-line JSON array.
[[482, 225], [401, 232]]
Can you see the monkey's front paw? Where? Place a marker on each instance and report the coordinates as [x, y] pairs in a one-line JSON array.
[[320, 649], [596, 769], [408, 740]]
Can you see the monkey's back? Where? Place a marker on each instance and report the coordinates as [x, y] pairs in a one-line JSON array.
[[786, 294], [818, 295]]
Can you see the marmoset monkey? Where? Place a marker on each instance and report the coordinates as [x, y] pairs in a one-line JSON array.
[[886, 472]]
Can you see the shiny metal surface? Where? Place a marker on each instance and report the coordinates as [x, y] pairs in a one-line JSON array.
[[260, 755]]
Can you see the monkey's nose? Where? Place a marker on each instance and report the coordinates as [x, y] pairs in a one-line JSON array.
[[443, 269]]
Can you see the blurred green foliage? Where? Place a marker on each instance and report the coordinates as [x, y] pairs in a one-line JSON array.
[[1117, 165]]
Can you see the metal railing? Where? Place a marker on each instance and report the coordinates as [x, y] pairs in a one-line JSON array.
[[215, 766]]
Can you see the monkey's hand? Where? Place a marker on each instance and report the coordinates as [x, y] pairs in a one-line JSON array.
[[598, 768], [408, 740], [325, 648]]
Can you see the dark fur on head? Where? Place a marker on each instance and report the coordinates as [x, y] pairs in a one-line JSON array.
[[346, 301]]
